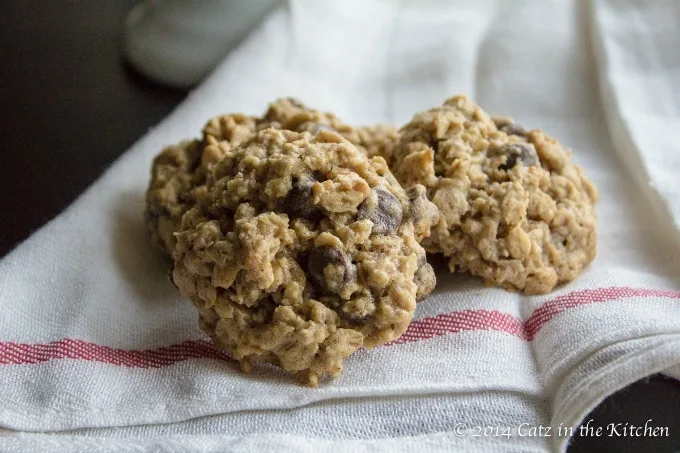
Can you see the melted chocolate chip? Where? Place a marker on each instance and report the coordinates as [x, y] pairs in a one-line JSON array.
[[522, 152], [344, 271], [299, 202], [383, 209], [508, 126]]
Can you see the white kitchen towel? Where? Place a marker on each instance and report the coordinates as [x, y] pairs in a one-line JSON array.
[[636, 44], [97, 347]]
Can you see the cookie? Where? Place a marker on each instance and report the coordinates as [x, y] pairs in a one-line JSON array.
[[513, 207], [179, 173], [169, 194], [378, 140], [303, 251], [293, 115]]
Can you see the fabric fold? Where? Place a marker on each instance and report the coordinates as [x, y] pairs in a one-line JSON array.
[[635, 46]]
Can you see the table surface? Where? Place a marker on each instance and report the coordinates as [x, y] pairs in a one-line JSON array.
[[69, 107]]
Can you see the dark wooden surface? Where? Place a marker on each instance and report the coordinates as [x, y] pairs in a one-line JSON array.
[[68, 108]]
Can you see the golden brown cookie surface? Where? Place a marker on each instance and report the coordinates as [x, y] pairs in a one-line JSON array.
[[514, 209], [179, 174], [378, 140], [169, 196]]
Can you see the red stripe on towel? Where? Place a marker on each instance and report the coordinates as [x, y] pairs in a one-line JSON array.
[[458, 321], [12, 353], [26, 353], [548, 310]]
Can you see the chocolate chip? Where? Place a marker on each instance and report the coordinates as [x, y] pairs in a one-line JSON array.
[[343, 273], [299, 201], [524, 152], [353, 320], [508, 126], [513, 129], [309, 292], [383, 209], [425, 279]]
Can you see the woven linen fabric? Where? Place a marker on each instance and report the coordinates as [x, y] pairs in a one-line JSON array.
[[98, 351]]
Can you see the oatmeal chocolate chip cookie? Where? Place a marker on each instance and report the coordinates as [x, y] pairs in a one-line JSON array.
[[179, 174], [514, 209], [303, 251]]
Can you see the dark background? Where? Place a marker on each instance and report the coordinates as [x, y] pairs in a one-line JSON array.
[[69, 107]]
